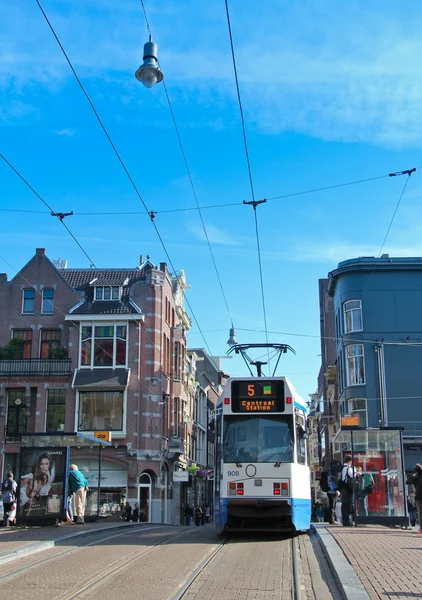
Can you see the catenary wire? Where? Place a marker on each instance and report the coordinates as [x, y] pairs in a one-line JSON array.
[[151, 214], [211, 206], [179, 139], [48, 206], [249, 172]]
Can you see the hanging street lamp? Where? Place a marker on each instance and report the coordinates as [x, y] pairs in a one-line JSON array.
[[149, 72]]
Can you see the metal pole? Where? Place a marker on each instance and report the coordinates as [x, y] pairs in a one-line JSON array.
[[100, 455], [354, 478], [403, 476]]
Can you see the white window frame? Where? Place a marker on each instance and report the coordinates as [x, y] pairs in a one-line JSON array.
[[354, 358], [47, 312], [100, 296], [347, 311], [114, 434], [359, 411], [94, 324], [28, 312]]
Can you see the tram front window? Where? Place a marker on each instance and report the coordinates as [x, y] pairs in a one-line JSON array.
[[258, 439]]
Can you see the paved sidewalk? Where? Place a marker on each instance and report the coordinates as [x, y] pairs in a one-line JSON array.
[[16, 542], [373, 561]]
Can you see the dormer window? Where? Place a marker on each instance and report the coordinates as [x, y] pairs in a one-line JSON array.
[[107, 292]]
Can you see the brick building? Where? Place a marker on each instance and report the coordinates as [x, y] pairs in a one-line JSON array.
[[87, 350]]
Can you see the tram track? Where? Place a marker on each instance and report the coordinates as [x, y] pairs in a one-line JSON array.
[[296, 593], [66, 553]]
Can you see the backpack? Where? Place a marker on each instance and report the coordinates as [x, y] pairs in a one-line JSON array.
[[323, 482], [7, 491], [368, 483], [335, 473]]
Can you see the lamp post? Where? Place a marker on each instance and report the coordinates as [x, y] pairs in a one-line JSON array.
[[149, 72]]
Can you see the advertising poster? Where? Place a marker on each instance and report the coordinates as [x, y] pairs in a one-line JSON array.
[[43, 482]]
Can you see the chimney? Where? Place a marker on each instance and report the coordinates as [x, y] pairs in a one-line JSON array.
[[40, 252], [163, 266], [141, 259], [3, 277]]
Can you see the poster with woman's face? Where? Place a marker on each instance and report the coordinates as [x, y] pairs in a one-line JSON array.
[[43, 482]]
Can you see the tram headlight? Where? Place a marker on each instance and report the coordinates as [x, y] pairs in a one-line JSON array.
[[232, 488], [284, 489]]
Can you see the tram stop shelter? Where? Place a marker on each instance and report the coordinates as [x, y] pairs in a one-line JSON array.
[[378, 452], [57, 447]]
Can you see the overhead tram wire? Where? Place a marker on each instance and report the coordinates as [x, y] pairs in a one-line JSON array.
[[191, 181], [227, 205], [52, 212], [150, 213], [254, 202]]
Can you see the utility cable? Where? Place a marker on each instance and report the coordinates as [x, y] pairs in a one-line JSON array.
[[52, 212], [191, 180], [150, 213], [254, 203]]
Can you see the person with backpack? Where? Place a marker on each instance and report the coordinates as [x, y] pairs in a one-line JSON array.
[[8, 490], [198, 515], [346, 491], [416, 480]]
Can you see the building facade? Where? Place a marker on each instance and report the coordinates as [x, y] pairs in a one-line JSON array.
[[99, 350], [377, 306]]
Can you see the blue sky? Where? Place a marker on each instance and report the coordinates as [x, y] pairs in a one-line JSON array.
[[331, 94]]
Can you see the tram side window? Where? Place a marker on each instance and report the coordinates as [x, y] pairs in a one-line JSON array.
[[300, 445]]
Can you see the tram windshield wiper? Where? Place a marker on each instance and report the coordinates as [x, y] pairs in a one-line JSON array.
[[233, 454], [285, 453]]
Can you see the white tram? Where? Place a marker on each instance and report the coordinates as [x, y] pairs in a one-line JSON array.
[[262, 473]]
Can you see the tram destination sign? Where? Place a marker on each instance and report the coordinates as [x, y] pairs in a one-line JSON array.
[[263, 395]]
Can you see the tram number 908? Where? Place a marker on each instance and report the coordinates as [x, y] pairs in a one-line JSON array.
[[233, 473]]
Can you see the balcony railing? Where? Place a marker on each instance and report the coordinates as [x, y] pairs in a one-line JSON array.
[[36, 367]]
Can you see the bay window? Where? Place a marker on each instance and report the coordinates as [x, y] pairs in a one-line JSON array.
[[103, 345], [352, 316], [100, 411], [355, 364]]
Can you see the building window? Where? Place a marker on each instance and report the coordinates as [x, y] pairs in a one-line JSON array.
[[177, 432], [23, 343], [16, 413], [55, 410], [106, 349], [358, 406], [47, 300], [100, 411], [28, 301], [352, 316], [355, 364], [107, 292], [50, 341]]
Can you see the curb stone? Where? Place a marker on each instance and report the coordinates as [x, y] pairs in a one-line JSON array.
[[347, 580]]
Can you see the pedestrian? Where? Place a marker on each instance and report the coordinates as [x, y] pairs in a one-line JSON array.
[[347, 482], [188, 514], [320, 513], [12, 515], [8, 490], [337, 509], [207, 513], [127, 513], [416, 480], [360, 493], [135, 514], [79, 486], [411, 508], [198, 515]]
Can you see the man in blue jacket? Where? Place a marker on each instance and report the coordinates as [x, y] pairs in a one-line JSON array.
[[79, 486]]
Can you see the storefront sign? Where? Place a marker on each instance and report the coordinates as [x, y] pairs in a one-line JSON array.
[[103, 435], [180, 476]]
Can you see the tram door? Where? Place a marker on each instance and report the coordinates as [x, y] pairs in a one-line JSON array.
[[145, 485]]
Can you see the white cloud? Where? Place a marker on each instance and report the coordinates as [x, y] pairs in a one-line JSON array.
[[215, 234], [65, 132]]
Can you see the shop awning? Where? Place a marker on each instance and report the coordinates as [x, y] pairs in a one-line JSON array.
[[101, 378], [70, 440]]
